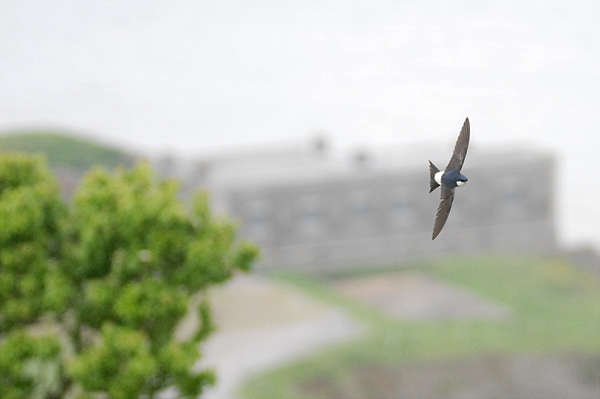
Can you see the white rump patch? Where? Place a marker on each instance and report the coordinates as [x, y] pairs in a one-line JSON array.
[[438, 177]]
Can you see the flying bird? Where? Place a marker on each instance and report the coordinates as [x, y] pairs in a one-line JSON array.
[[450, 178]]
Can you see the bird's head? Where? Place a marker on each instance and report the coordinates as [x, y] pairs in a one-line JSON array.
[[462, 180]]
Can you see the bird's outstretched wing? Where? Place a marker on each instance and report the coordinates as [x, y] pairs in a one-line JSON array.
[[460, 149], [443, 210]]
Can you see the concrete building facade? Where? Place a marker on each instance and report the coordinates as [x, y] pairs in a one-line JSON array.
[[313, 211]]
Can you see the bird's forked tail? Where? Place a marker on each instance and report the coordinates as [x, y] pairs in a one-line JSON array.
[[432, 171]]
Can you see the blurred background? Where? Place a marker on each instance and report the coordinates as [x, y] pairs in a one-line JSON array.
[[312, 123]]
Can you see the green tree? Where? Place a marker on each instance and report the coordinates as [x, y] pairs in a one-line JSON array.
[[91, 293]]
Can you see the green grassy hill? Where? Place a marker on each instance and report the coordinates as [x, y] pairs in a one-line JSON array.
[[64, 150]]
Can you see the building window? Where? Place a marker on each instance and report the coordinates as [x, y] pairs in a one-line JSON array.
[[513, 199], [401, 207], [359, 218], [309, 214], [512, 191], [360, 204], [511, 196], [403, 212], [257, 218], [362, 209]]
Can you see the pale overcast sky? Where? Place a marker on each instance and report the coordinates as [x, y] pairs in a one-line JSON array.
[[193, 77]]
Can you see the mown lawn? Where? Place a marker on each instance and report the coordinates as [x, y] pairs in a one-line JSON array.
[[556, 309]]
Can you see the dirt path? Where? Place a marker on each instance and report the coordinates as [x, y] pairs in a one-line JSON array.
[[415, 296], [262, 325]]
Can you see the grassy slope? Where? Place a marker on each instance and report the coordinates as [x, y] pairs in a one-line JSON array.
[[556, 309], [63, 150]]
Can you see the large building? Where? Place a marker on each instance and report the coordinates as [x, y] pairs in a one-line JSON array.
[[309, 209]]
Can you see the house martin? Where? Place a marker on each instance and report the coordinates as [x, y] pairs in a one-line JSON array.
[[450, 178]]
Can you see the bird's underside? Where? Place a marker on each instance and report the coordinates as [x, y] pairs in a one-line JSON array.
[[448, 180]]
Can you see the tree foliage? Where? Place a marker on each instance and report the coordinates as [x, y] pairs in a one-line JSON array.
[[91, 293]]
